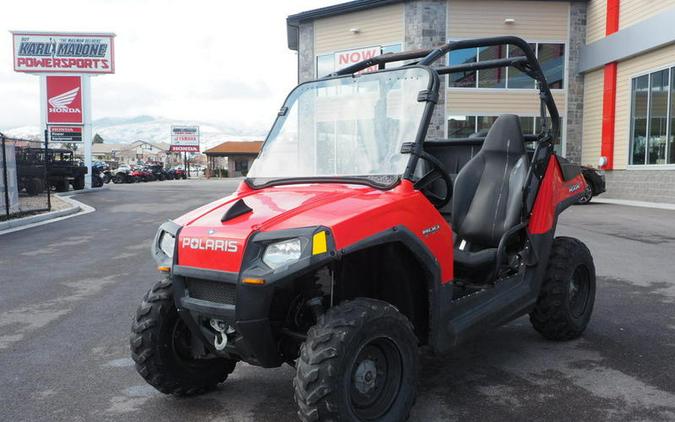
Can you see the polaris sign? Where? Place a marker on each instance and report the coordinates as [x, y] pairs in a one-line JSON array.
[[64, 53]]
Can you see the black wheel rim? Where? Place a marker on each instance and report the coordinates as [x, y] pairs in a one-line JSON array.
[[376, 376], [587, 195], [181, 342], [579, 291]]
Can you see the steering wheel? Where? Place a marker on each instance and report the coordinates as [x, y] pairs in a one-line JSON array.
[[438, 171]]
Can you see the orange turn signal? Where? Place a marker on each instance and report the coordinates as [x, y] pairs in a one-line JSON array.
[[254, 281], [164, 269]]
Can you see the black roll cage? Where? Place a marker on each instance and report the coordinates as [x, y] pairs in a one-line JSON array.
[[425, 58], [527, 64]]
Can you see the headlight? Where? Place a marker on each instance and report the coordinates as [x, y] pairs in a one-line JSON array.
[[166, 243], [282, 253]]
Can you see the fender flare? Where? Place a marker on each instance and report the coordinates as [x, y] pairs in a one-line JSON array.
[[439, 294]]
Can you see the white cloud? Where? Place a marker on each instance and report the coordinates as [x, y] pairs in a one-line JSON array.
[[221, 61]]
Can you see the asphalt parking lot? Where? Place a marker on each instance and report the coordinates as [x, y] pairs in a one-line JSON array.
[[69, 290]]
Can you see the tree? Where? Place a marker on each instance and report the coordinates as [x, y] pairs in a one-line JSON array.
[[97, 139]]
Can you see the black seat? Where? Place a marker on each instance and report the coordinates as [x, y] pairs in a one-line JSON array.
[[487, 199]]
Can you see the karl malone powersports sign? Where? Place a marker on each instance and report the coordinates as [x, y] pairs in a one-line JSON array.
[[184, 139], [76, 53]]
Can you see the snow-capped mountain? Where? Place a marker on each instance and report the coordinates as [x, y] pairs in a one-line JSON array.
[[116, 130]]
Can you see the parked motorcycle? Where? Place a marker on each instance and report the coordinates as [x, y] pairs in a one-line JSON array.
[[101, 170]]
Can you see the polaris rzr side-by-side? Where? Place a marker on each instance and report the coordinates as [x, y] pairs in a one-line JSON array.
[[355, 240]]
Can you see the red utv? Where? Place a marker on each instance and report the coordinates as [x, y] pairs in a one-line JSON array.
[[355, 239]]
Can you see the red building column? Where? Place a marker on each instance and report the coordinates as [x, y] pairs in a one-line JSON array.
[[609, 90]]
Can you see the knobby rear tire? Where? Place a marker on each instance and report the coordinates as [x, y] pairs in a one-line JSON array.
[[561, 313]]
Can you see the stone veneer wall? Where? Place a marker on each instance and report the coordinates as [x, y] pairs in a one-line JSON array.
[[575, 81], [306, 52], [425, 27], [641, 185]]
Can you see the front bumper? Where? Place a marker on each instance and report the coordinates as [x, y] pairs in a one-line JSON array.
[[201, 295]]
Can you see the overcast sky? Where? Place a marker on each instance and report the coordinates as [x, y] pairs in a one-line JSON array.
[[219, 61]]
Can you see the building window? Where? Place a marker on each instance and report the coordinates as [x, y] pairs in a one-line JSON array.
[[640, 97], [465, 126], [552, 61], [483, 124], [516, 78], [461, 126], [551, 58], [325, 63], [462, 79], [492, 78], [651, 134]]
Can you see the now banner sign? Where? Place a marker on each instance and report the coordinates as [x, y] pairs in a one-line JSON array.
[[349, 57]]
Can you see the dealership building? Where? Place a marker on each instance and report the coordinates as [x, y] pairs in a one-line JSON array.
[[610, 64]]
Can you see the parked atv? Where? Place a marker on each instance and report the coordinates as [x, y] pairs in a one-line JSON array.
[[355, 239], [138, 175], [122, 175], [148, 175], [178, 173], [158, 172]]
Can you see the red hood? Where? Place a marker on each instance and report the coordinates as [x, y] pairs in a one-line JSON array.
[[274, 208], [352, 212]]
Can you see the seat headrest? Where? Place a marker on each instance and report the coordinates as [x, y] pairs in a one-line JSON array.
[[505, 135]]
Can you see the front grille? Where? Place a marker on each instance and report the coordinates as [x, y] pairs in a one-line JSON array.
[[212, 291]]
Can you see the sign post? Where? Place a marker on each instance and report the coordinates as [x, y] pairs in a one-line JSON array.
[[65, 61]]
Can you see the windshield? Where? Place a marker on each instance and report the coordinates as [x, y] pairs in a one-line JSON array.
[[351, 126]]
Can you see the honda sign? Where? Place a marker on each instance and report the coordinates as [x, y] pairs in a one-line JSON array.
[[64, 99], [184, 139]]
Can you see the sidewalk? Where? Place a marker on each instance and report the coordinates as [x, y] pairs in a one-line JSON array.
[[63, 207], [643, 204]]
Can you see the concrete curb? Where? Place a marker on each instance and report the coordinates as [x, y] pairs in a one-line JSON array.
[[76, 208], [77, 192], [643, 204]]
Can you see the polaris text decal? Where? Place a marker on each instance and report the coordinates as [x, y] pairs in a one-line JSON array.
[[221, 245]]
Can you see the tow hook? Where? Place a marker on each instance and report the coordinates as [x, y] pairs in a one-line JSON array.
[[222, 330]]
